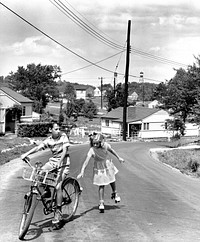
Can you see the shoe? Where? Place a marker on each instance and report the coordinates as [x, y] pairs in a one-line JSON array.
[[47, 193], [101, 206], [115, 196], [57, 217]]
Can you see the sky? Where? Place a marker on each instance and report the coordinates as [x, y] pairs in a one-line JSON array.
[[88, 39]]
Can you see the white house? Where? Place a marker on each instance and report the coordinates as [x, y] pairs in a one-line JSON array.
[[142, 122], [97, 92], [8, 99], [80, 91], [153, 104], [133, 96]]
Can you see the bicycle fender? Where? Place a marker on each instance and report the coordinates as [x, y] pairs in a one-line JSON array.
[[75, 181]]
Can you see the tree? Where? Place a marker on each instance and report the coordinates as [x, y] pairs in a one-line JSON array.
[[180, 95], [115, 97], [69, 92], [177, 126], [159, 92], [194, 74], [36, 82], [89, 109]]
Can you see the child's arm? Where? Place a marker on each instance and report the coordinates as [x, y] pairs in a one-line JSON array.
[[64, 153], [33, 150], [115, 154], [81, 174]]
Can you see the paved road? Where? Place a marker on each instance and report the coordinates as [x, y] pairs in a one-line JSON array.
[[158, 203]]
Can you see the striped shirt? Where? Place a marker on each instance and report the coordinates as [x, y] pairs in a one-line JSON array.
[[57, 146]]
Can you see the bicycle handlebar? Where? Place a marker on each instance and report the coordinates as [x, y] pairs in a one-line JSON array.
[[27, 160]]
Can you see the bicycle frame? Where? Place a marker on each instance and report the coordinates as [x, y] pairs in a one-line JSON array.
[[49, 205], [35, 189], [70, 188]]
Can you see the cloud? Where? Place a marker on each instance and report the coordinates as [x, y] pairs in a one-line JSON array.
[[32, 46]]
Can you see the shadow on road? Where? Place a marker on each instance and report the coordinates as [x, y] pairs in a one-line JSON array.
[[45, 226]]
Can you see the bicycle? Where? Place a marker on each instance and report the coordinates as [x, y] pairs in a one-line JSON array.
[[40, 179]]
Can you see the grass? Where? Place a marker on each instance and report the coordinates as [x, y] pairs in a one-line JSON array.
[[183, 160], [12, 148]]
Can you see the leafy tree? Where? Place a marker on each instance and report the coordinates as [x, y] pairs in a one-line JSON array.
[[69, 92], [89, 109], [36, 82], [180, 95], [159, 92], [115, 97], [177, 126], [142, 88], [194, 74]]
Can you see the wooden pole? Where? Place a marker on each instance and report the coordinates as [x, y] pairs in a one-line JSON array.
[[126, 82]]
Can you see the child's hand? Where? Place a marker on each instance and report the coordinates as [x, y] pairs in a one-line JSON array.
[[23, 156], [121, 160], [80, 175]]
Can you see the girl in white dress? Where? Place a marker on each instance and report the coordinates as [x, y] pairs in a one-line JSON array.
[[104, 170]]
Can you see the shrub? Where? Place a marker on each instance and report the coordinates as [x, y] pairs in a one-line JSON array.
[[40, 129], [193, 165]]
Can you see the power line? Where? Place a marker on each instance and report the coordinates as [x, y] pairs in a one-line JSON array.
[[91, 23], [91, 63], [81, 68], [48, 36], [70, 14], [158, 58]]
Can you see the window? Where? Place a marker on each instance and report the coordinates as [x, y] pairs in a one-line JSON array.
[[146, 126], [107, 122], [23, 110]]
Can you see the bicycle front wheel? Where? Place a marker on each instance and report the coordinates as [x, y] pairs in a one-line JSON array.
[[29, 208], [70, 190]]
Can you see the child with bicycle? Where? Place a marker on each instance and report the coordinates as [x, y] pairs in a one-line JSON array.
[[104, 170], [58, 143]]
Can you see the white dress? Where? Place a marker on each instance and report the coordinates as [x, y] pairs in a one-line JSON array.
[[104, 170]]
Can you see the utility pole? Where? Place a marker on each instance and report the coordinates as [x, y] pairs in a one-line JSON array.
[[101, 91], [126, 81], [142, 80], [115, 77]]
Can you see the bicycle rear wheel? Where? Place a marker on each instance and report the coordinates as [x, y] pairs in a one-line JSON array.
[[71, 191], [29, 208]]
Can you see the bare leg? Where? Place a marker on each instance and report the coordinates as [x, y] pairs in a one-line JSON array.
[[101, 193], [59, 196], [101, 199]]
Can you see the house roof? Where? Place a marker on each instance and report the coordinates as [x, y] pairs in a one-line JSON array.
[[18, 97], [134, 113], [80, 87]]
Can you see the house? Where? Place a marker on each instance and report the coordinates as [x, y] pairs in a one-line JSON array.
[[90, 92], [153, 104], [97, 92], [8, 100], [80, 91], [133, 96], [142, 122]]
